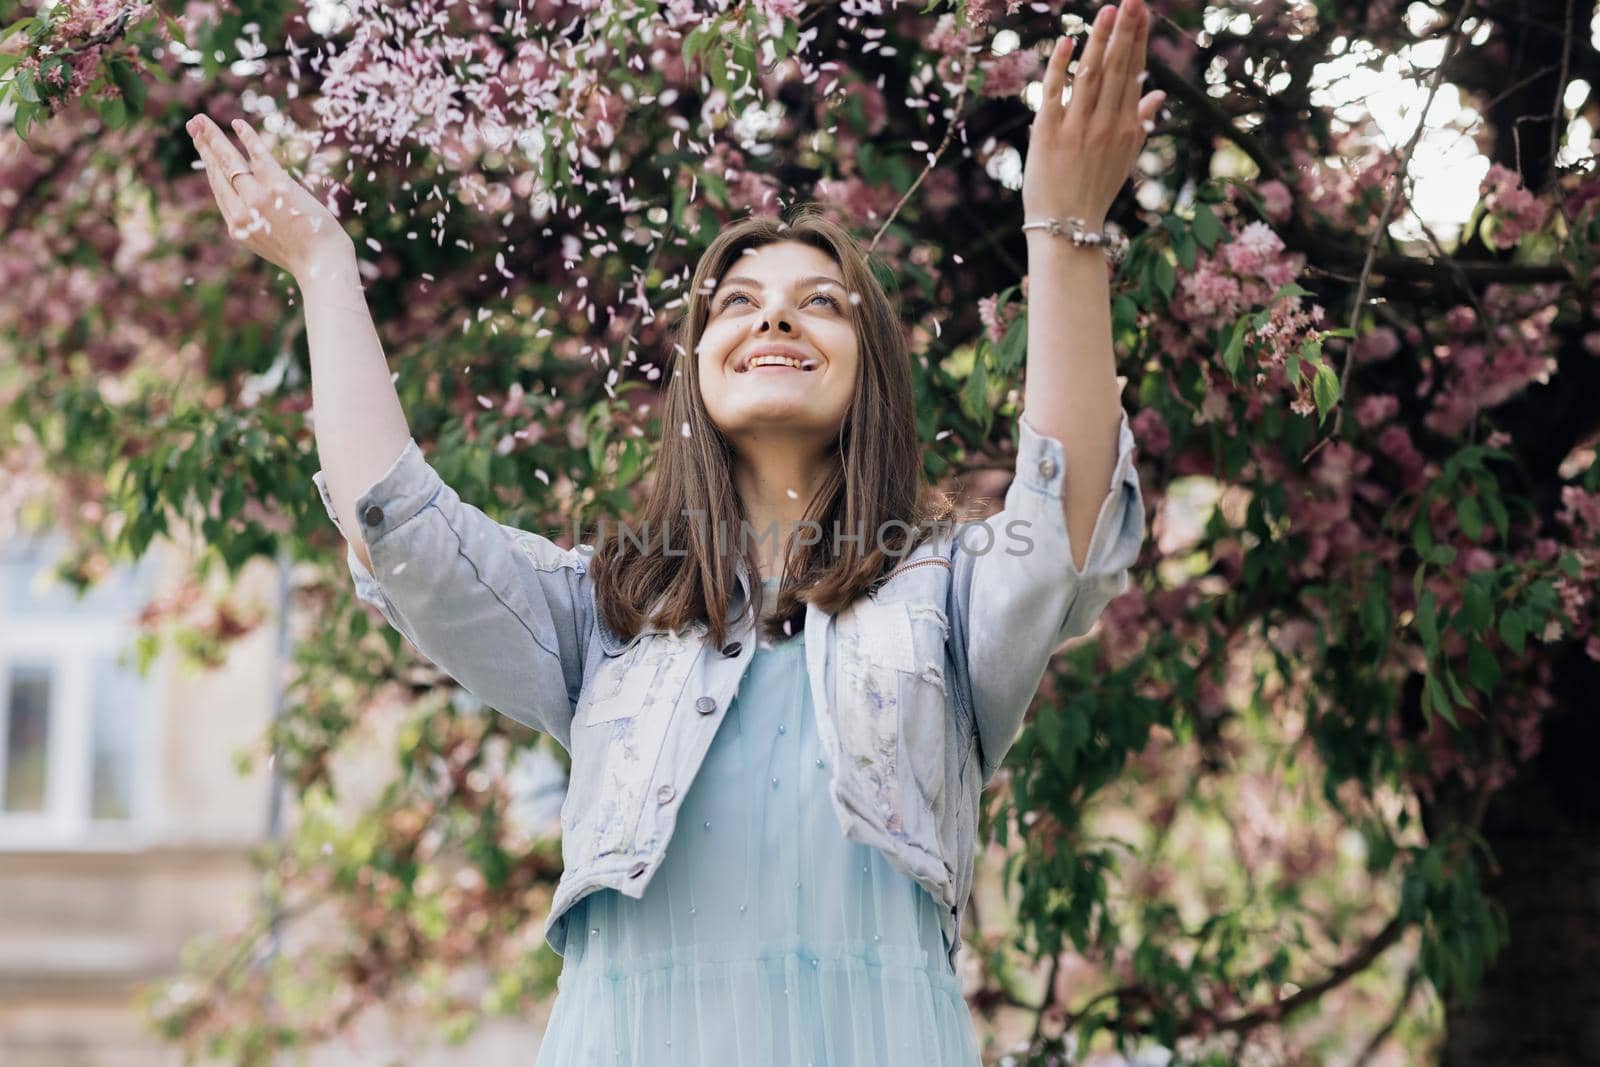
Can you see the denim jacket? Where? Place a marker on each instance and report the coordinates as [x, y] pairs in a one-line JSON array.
[[919, 688]]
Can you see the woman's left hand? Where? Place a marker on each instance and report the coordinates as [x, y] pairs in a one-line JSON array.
[[1079, 155]]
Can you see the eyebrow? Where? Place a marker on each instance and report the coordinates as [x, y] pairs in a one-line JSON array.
[[810, 279]]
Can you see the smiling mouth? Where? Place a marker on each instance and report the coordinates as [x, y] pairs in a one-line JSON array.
[[767, 363]]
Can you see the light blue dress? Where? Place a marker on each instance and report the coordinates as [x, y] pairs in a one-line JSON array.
[[766, 938]]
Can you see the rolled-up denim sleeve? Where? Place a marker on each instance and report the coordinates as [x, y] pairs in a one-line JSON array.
[[1016, 594], [499, 609]]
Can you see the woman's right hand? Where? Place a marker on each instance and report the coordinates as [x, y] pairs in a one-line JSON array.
[[266, 210]]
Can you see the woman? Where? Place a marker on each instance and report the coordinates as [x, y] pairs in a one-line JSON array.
[[784, 687]]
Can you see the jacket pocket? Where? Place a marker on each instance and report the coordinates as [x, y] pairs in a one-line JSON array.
[[622, 684], [892, 713], [623, 717]]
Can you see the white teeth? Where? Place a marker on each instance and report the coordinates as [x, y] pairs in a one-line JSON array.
[[782, 361]]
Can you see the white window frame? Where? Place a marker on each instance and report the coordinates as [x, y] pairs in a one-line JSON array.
[[68, 646]]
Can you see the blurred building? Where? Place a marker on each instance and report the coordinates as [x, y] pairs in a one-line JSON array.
[[125, 826]]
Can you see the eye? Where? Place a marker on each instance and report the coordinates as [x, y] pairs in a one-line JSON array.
[[814, 296]]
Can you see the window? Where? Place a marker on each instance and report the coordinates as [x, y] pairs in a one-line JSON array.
[[77, 722]]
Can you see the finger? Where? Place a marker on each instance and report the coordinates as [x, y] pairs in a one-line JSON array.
[[1149, 107], [262, 161], [1114, 85], [1055, 81], [1086, 82], [1136, 72], [222, 148], [227, 197]]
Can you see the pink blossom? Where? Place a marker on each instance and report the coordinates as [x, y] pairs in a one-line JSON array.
[[779, 9], [1376, 345], [1150, 430], [1252, 249], [1210, 292], [1512, 209], [1276, 200], [856, 199], [1376, 409], [947, 39], [1009, 74], [982, 12], [990, 318], [1463, 318]]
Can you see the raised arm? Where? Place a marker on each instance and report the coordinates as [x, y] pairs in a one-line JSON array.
[[504, 611], [1016, 593], [501, 610]]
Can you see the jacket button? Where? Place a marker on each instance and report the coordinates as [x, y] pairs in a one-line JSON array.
[[665, 794], [1047, 468], [638, 869], [731, 649], [705, 705], [374, 515]]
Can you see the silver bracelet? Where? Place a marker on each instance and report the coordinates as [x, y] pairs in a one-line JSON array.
[[1114, 244]]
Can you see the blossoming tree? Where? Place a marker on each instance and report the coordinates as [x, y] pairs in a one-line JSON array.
[[1315, 787]]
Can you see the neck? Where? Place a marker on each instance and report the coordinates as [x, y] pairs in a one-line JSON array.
[[775, 487]]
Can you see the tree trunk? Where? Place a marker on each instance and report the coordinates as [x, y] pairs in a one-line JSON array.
[[1539, 1005]]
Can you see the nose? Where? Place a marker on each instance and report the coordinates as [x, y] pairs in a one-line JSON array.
[[767, 321]]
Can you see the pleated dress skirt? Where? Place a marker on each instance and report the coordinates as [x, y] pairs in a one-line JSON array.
[[766, 938]]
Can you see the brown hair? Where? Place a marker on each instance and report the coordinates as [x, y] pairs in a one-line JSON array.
[[877, 485]]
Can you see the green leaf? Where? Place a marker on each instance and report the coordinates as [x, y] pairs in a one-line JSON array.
[[129, 84], [1183, 244], [1477, 610], [114, 113], [1013, 346], [975, 396], [719, 70], [1289, 289], [23, 86], [1433, 696], [1166, 278], [1513, 631], [1483, 670], [1325, 388], [1207, 230], [1428, 623], [1470, 518], [1375, 613], [1233, 351]]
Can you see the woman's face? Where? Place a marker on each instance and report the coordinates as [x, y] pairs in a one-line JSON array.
[[787, 297]]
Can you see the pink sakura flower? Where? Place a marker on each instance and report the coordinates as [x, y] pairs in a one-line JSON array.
[[990, 319], [1376, 409], [1009, 74], [982, 12], [857, 199], [1150, 430], [947, 39], [1276, 200], [1514, 210], [1252, 249], [1461, 319], [779, 9], [1209, 292], [1376, 345]]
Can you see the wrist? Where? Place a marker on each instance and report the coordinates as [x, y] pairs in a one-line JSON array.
[[332, 260], [1075, 233]]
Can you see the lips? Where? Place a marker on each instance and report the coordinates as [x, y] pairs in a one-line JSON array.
[[807, 362]]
